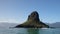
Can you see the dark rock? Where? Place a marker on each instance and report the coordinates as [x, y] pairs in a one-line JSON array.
[[33, 22], [33, 16]]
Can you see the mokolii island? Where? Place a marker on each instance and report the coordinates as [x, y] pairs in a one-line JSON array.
[[33, 21]]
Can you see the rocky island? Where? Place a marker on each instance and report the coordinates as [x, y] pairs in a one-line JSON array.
[[33, 21]]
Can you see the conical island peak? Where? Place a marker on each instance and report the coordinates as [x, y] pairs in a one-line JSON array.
[[33, 21], [33, 16]]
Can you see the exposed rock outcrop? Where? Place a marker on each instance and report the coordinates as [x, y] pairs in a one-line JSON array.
[[33, 22]]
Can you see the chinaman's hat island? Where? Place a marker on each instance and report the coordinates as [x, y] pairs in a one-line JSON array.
[[33, 21]]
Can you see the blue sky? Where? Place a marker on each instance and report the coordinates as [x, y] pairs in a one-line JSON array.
[[17, 11]]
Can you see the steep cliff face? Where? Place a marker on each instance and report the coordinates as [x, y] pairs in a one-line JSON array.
[[34, 16], [33, 22]]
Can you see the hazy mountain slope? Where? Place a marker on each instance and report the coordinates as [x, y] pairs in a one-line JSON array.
[[7, 25], [57, 24]]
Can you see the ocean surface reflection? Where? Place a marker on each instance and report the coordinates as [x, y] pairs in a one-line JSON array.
[[32, 31], [29, 31]]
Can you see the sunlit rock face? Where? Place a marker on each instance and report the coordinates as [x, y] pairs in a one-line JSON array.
[[33, 21]]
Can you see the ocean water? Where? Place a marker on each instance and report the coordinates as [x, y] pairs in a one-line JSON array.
[[29, 31]]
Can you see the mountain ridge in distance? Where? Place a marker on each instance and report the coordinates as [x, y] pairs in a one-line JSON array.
[[7, 24], [56, 25]]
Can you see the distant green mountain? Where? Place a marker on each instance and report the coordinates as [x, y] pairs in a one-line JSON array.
[[33, 21]]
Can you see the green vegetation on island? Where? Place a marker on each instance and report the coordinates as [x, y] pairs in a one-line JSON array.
[[33, 21]]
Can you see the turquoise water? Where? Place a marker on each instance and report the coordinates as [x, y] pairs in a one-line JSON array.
[[28, 31]]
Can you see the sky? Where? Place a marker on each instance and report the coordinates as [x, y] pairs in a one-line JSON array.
[[17, 11]]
